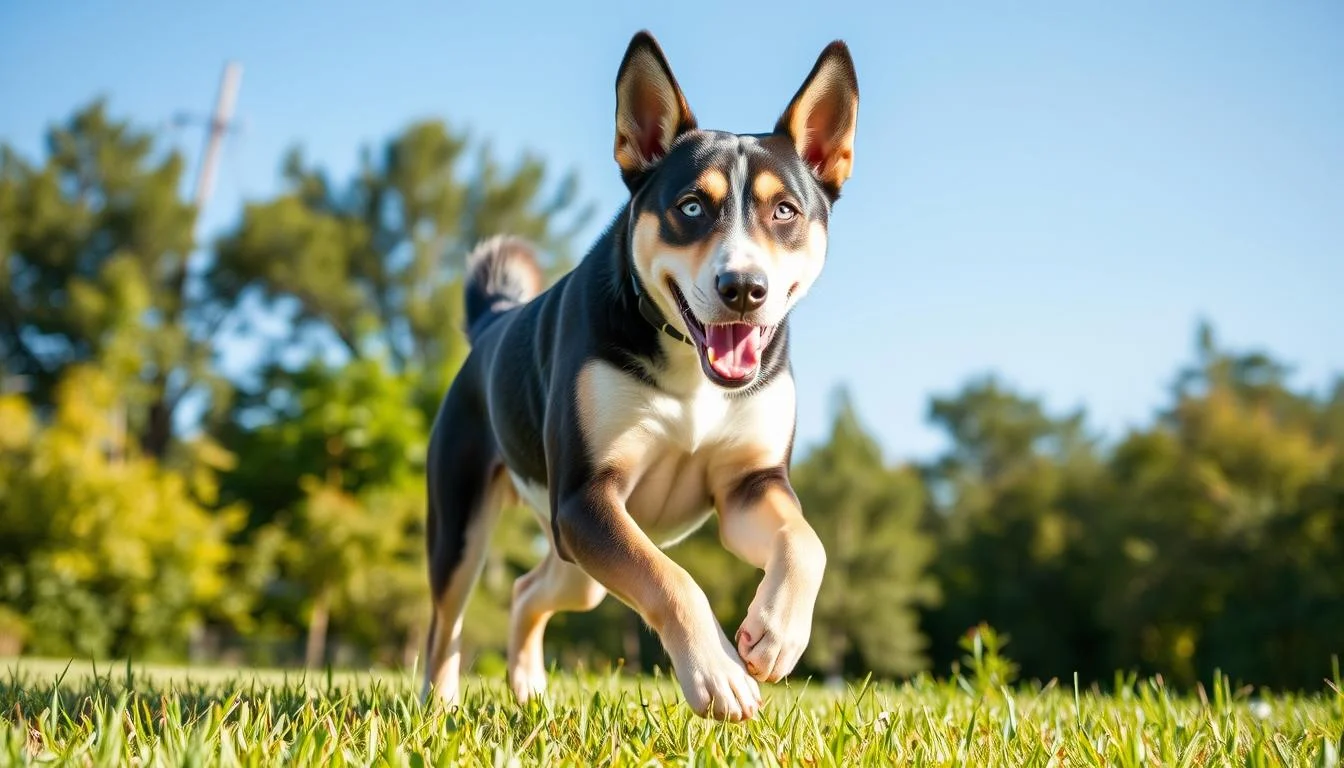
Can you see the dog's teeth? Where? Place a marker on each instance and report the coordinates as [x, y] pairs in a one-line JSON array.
[[712, 357]]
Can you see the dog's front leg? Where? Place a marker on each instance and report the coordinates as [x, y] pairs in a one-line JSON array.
[[761, 522], [595, 531]]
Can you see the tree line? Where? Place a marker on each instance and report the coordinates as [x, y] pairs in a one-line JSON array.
[[158, 503]]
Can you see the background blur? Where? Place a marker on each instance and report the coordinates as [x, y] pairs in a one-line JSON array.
[[1073, 369]]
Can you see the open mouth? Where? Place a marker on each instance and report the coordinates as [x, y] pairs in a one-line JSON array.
[[730, 353]]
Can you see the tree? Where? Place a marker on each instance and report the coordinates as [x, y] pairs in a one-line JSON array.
[[365, 280], [1013, 517], [93, 257], [352, 425], [1228, 509], [1202, 541], [375, 268], [868, 518], [103, 550], [354, 557]]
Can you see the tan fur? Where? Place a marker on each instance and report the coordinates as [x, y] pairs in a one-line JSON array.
[[678, 454], [714, 184], [612, 446], [766, 186], [552, 586], [771, 534], [792, 272], [806, 265], [678, 449], [651, 252], [643, 92], [820, 115], [445, 642], [714, 680]]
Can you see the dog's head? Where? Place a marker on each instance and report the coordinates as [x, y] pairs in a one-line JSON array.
[[727, 232]]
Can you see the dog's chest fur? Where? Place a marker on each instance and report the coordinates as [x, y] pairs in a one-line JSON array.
[[676, 446]]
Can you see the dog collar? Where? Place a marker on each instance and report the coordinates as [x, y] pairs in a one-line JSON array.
[[653, 316]]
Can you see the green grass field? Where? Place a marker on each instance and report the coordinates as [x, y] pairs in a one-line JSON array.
[[175, 716]]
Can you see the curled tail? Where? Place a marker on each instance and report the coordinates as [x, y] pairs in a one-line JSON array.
[[502, 273]]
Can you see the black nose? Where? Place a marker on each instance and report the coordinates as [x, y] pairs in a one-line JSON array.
[[742, 291]]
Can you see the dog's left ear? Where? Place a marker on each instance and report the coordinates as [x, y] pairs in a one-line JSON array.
[[823, 115], [651, 111]]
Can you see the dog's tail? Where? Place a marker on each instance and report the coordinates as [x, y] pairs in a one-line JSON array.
[[502, 273]]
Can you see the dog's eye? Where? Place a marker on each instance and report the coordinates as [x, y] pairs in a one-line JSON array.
[[785, 212], [691, 208]]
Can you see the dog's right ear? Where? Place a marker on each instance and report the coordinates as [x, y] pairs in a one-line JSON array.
[[651, 111]]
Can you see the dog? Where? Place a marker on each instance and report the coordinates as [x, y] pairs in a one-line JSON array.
[[647, 389]]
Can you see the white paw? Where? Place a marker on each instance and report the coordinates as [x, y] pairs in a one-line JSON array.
[[528, 680], [770, 643], [445, 693], [715, 683]]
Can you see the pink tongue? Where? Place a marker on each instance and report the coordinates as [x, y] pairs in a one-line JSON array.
[[734, 350]]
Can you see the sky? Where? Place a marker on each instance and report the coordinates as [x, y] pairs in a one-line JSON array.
[[1055, 193]]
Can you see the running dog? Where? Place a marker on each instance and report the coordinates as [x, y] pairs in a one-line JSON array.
[[647, 389]]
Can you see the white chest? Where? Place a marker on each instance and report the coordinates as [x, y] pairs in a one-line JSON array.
[[671, 446], [689, 424]]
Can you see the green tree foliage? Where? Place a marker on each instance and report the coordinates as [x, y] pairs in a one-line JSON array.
[[1012, 504], [354, 557], [102, 550], [93, 257], [343, 468], [1229, 518], [868, 517], [352, 425], [334, 445], [1203, 541], [376, 264], [293, 513]]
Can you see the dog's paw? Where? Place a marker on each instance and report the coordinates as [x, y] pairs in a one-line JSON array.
[[714, 681], [770, 642], [528, 681], [446, 694], [721, 690]]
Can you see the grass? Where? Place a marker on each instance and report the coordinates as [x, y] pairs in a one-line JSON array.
[[172, 716]]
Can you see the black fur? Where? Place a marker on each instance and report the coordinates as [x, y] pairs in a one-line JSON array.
[[513, 406]]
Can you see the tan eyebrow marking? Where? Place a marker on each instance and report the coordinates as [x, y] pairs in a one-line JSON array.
[[766, 186], [714, 184]]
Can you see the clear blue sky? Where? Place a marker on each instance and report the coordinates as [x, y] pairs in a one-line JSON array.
[[1052, 191]]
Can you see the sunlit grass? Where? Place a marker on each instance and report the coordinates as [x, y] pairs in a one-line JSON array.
[[174, 716]]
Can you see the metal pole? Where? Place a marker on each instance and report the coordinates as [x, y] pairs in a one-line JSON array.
[[219, 125]]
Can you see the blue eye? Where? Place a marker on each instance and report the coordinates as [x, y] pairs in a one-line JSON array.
[[691, 208], [785, 212]]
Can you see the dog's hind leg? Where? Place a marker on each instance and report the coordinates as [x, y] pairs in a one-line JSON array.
[[552, 586], [453, 589], [468, 487]]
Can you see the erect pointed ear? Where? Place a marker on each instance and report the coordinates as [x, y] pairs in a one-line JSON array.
[[823, 115], [650, 110]]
